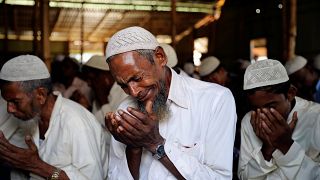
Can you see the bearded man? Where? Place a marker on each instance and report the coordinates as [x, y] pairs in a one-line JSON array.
[[170, 126]]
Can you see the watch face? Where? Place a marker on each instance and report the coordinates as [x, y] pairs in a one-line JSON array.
[[160, 151]]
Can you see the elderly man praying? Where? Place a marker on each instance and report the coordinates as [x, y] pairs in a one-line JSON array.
[[170, 126], [69, 142]]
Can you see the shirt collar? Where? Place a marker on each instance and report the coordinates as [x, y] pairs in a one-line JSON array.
[[177, 93]]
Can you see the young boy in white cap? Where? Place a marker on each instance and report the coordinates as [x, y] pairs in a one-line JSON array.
[[69, 143], [170, 126], [280, 135]]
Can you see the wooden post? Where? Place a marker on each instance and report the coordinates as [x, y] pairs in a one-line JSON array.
[[173, 22], [289, 25], [45, 42], [5, 25], [82, 33], [35, 26]]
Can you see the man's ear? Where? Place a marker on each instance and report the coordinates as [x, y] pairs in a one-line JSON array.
[[160, 56], [291, 92], [41, 94]]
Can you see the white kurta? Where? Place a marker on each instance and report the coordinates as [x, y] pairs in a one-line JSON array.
[[115, 97], [302, 159], [75, 142], [199, 134]]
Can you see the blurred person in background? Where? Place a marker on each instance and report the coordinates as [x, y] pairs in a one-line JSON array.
[[304, 77], [172, 59], [107, 93], [71, 82], [211, 70]]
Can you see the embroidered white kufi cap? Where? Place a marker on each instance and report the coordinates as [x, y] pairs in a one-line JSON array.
[[264, 73], [129, 39], [24, 68]]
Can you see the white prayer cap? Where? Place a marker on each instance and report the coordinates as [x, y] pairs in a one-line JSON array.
[[264, 73], [129, 39], [208, 65], [98, 62], [295, 64], [24, 68], [188, 68], [171, 54], [316, 62]]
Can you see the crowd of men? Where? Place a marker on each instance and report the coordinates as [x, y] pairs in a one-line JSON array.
[[133, 114]]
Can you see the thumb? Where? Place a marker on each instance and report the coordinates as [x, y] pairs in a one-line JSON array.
[[294, 121], [149, 105], [30, 143]]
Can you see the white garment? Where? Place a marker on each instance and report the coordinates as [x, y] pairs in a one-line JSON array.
[[302, 159], [74, 142], [81, 86], [116, 96], [199, 134]]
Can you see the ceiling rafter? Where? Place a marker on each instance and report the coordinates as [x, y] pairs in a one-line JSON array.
[[99, 25]]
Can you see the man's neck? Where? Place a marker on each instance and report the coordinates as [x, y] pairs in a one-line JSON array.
[[45, 115]]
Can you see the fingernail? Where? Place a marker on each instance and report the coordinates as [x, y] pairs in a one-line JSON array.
[[118, 118], [120, 112], [129, 108]]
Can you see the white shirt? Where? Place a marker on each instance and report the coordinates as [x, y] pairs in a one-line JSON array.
[[74, 142], [199, 134], [302, 159], [80, 85], [116, 96]]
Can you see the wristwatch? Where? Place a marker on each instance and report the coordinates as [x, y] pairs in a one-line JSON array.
[[160, 153]]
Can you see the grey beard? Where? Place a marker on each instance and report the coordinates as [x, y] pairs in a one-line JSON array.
[[30, 126], [159, 106]]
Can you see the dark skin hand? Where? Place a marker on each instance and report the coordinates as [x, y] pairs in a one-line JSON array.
[[267, 148], [26, 159], [138, 130], [277, 130], [273, 130]]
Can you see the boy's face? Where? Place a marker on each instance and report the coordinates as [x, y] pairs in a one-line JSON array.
[[279, 102]]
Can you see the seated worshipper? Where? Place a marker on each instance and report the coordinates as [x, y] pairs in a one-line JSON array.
[[280, 135], [72, 142], [108, 94], [172, 58], [304, 77], [72, 85], [170, 126], [10, 127], [211, 70]]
